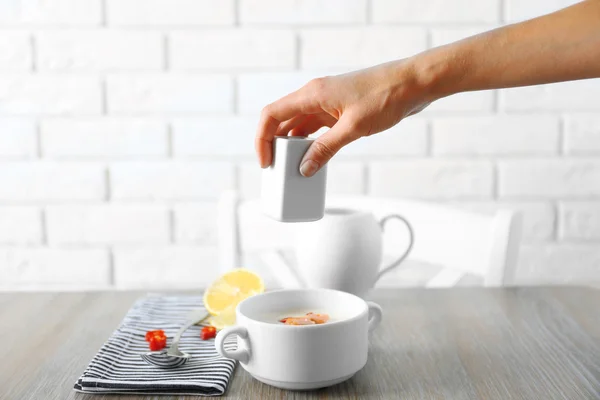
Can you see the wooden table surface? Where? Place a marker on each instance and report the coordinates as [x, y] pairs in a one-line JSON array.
[[462, 343]]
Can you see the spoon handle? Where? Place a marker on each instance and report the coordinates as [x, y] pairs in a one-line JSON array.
[[193, 319]]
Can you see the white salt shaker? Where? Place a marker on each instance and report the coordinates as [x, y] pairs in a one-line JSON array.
[[287, 195]]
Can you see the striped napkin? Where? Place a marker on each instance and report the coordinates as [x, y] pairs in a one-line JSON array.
[[118, 368]]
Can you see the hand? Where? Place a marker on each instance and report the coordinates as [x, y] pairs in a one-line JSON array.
[[353, 105], [561, 46]]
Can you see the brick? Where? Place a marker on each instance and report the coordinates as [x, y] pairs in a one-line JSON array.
[[17, 138], [580, 221], [170, 12], [44, 267], [496, 135], [20, 225], [112, 137], [582, 134], [429, 11], [539, 218], [171, 94], [559, 264], [99, 50], [256, 90], [51, 181], [548, 178], [233, 136], [56, 12], [16, 52], [359, 47], [409, 137], [517, 10], [107, 224], [463, 103], [345, 178], [431, 179], [166, 267], [446, 35], [196, 223], [170, 180], [49, 95], [305, 12], [232, 49], [567, 96]]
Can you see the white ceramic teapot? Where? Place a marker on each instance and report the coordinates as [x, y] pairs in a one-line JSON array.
[[343, 250]]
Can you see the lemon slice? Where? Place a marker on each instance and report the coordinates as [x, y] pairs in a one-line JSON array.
[[224, 319], [230, 289]]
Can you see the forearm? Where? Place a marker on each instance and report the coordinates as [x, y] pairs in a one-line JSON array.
[[557, 47]]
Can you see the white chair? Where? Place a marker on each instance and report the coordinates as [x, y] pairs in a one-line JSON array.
[[463, 243]]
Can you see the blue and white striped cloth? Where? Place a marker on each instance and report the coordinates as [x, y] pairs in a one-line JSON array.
[[118, 368]]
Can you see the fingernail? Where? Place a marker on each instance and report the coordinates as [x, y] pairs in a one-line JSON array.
[[308, 168]]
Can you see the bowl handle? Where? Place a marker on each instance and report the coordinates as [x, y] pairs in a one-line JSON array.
[[375, 315], [242, 355]]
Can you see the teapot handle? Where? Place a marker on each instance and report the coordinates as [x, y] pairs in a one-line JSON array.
[[411, 234]]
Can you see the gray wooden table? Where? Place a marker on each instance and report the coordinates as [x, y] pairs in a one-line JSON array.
[[523, 343]]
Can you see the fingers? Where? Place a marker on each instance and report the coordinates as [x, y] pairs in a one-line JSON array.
[[313, 123], [302, 101], [325, 147], [285, 127]]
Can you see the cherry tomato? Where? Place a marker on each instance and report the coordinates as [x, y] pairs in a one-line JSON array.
[[158, 332], [208, 332], [158, 342]]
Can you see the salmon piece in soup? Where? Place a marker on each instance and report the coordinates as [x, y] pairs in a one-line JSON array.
[[308, 319]]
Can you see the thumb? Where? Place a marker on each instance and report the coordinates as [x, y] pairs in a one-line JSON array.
[[325, 146]]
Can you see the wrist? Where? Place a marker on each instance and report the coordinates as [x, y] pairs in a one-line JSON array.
[[440, 72]]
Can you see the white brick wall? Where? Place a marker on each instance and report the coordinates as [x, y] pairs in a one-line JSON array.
[[358, 47], [30, 267], [432, 179], [580, 221], [582, 134], [550, 178], [169, 94], [233, 49], [107, 224], [114, 137], [170, 12], [49, 95], [121, 122], [170, 180], [566, 96], [28, 182], [17, 138], [518, 10], [98, 50], [432, 11], [496, 135], [20, 225], [223, 136], [56, 13], [307, 12], [16, 53]]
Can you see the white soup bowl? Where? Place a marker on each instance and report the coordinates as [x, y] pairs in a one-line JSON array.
[[302, 357]]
